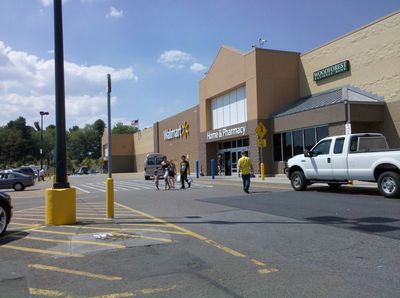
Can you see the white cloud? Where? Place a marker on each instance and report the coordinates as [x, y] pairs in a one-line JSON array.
[[174, 59], [180, 59], [115, 13], [47, 3], [27, 86], [196, 67]]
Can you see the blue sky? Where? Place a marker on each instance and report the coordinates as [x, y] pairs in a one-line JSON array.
[[156, 50]]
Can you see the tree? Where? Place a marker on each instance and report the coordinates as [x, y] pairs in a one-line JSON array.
[[99, 127], [120, 128]]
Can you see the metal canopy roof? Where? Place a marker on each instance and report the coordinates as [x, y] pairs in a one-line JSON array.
[[331, 97]]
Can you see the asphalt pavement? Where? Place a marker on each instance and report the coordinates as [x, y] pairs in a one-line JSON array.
[[211, 240]]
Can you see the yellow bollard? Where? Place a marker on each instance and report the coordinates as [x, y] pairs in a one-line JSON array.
[[110, 197], [61, 206], [262, 171]]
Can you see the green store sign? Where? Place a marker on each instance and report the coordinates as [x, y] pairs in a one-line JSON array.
[[332, 70]]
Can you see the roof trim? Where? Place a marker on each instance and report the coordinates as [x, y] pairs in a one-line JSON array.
[[352, 32]]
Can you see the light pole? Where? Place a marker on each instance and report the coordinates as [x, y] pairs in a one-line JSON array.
[[41, 137], [61, 199]]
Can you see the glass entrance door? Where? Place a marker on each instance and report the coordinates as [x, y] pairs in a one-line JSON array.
[[228, 155]]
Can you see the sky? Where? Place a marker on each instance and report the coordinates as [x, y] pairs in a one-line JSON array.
[[156, 51]]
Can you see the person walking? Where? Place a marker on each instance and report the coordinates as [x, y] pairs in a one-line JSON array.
[[184, 171], [245, 168], [172, 173], [164, 167]]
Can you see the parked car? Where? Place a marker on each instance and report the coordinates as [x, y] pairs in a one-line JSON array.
[[83, 171], [25, 170], [15, 180], [152, 163], [336, 160], [5, 211]]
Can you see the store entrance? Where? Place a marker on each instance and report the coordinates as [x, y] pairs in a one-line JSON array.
[[229, 153]]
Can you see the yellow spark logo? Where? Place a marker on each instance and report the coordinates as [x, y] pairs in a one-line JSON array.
[[185, 129]]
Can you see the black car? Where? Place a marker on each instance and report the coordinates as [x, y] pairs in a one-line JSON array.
[[5, 211], [26, 171]]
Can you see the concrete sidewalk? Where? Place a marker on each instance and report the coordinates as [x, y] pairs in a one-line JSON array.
[[274, 180]]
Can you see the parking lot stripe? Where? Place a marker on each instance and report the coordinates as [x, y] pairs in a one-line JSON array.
[[125, 229], [86, 191], [267, 270], [42, 251], [139, 292], [28, 219], [95, 188], [68, 241], [200, 237], [144, 237], [24, 224], [46, 293], [75, 272], [52, 232]]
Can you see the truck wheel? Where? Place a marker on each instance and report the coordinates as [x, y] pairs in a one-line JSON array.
[[335, 186], [298, 181], [3, 218], [146, 178], [18, 186], [389, 184]]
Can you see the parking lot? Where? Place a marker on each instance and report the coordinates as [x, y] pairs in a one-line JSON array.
[[206, 241]]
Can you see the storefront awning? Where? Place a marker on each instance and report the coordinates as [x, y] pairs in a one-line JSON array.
[[331, 97]]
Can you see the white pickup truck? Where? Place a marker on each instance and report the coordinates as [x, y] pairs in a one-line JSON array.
[[340, 159]]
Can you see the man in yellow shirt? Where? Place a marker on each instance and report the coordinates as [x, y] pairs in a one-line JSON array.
[[245, 168]]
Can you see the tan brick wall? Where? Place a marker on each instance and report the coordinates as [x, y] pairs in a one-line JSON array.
[[374, 55], [175, 148], [122, 144], [143, 145]]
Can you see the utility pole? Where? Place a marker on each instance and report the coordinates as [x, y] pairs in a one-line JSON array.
[[41, 137], [110, 180]]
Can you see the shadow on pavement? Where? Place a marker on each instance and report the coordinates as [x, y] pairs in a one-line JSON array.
[[8, 237], [352, 190]]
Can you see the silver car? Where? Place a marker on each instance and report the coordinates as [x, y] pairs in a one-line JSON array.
[[15, 180]]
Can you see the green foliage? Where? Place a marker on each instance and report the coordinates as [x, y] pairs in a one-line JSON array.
[[120, 128], [20, 144]]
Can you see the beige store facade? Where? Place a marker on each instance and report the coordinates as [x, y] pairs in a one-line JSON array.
[[300, 98]]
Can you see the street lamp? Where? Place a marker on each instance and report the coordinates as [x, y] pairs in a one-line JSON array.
[[41, 137]]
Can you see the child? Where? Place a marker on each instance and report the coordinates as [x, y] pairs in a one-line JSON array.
[[156, 179]]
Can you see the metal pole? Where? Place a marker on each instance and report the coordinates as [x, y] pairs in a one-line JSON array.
[[41, 140], [109, 125], [61, 148], [212, 169], [197, 169], [110, 180]]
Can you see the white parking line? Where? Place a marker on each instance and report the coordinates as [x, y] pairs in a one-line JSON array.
[[81, 189], [96, 188]]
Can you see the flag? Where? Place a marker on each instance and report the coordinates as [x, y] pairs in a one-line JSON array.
[[135, 123]]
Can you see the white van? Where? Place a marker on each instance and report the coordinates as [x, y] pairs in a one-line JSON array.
[[152, 163]]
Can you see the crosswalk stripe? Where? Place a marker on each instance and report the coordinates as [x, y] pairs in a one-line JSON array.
[[96, 188]]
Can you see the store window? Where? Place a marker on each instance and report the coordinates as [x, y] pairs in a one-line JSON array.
[[298, 142], [322, 132], [277, 147], [229, 109], [287, 145], [309, 138]]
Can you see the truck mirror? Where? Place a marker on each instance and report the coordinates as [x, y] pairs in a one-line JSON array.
[[306, 153]]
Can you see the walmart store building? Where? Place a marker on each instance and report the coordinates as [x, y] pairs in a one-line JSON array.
[[299, 98]]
